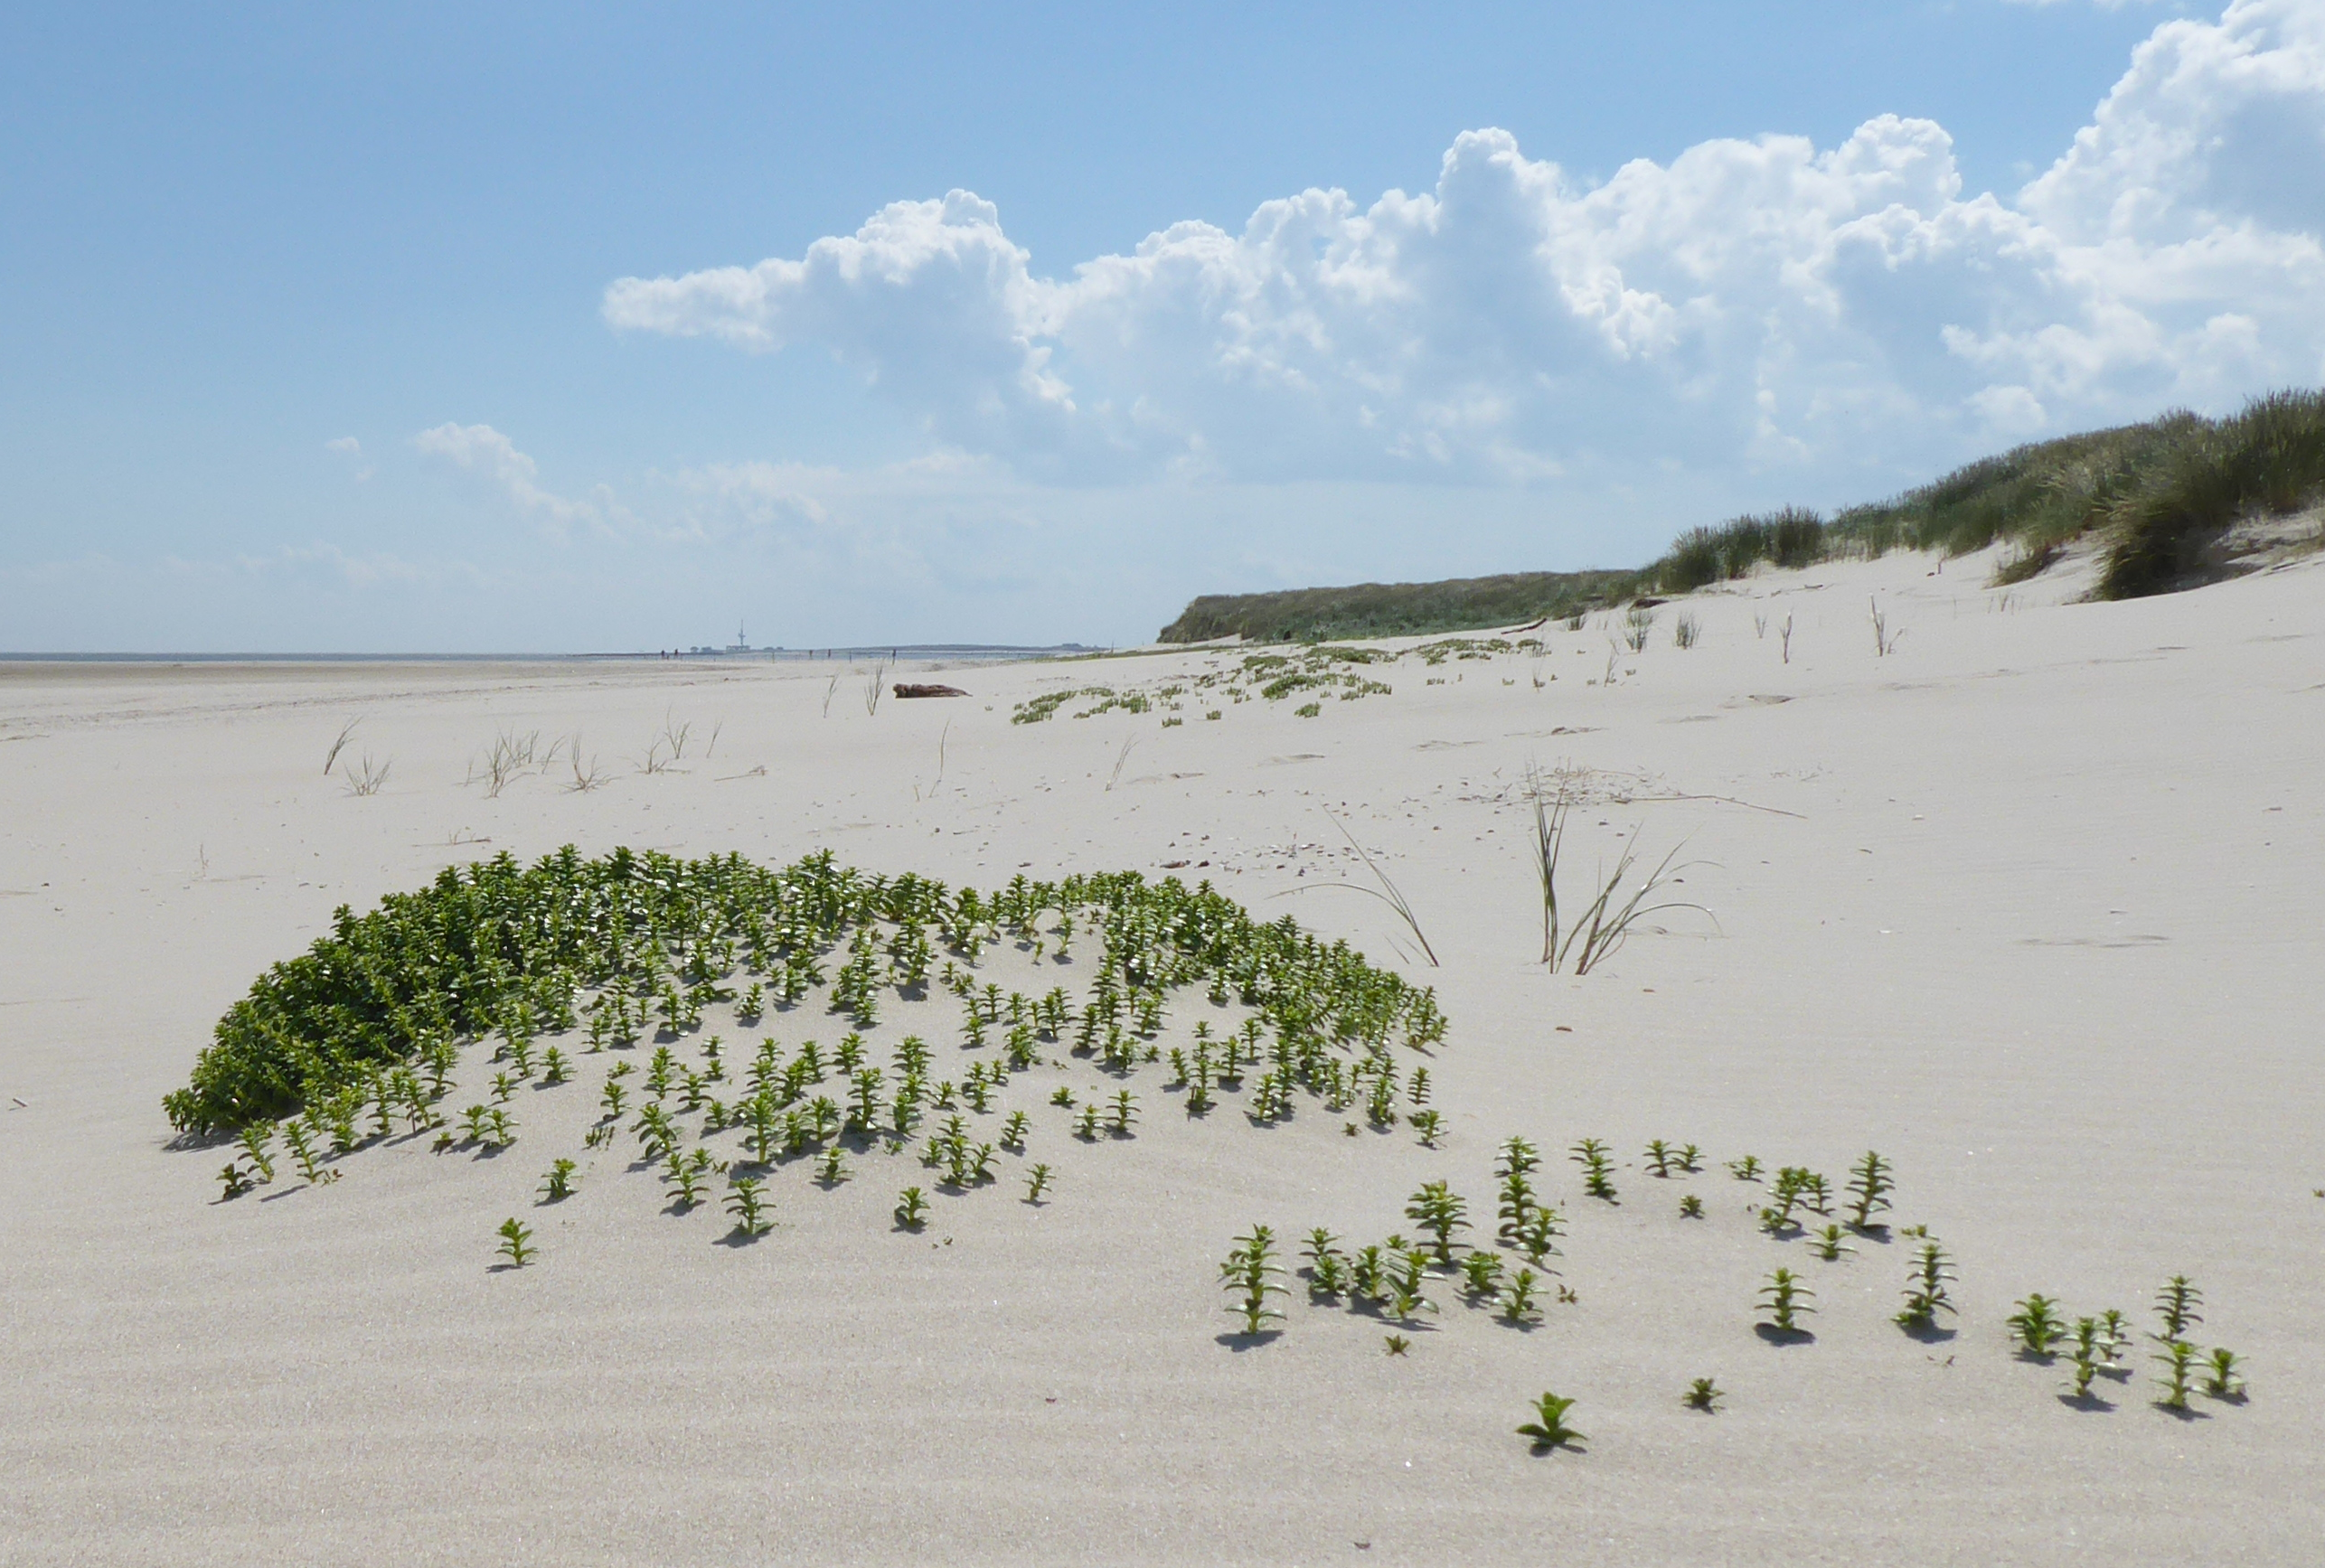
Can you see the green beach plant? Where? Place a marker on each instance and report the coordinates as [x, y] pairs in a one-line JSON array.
[[1826, 1243], [1538, 1234], [1597, 1168], [2038, 1327], [2085, 1359], [2224, 1377], [1925, 1291], [1327, 1269], [2176, 1306], [516, 1243], [1517, 1303], [749, 1209], [1548, 1429], [254, 1145], [2178, 1359], [1870, 1181], [1441, 1212], [1251, 1274], [1782, 1299], [684, 1177], [1703, 1394], [557, 1185], [302, 1148]]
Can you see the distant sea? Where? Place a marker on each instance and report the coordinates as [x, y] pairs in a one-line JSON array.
[[898, 651]]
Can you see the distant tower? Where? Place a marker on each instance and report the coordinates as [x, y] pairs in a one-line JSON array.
[[742, 642]]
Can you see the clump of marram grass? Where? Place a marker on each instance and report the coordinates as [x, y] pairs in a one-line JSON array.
[[1606, 921], [2268, 458]]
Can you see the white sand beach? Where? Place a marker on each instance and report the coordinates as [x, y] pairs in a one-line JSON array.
[[2030, 904]]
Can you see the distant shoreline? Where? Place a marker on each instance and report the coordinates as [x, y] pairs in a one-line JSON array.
[[719, 656]]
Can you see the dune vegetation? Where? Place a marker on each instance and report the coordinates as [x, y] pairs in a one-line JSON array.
[[2157, 498]]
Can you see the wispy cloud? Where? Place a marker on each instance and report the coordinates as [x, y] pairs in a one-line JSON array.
[[349, 447], [483, 450]]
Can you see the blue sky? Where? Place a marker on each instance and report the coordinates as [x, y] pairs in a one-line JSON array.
[[511, 327]]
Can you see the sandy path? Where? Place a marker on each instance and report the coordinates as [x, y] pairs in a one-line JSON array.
[[2032, 906]]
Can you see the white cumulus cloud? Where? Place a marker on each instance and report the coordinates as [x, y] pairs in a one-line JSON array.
[[1753, 303]]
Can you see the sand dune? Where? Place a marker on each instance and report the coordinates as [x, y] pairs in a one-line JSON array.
[[2030, 904]]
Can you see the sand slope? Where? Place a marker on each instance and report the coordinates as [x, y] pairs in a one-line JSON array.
[[2032, 906]]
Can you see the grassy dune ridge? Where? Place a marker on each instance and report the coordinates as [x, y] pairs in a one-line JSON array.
[[2161, 496]]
